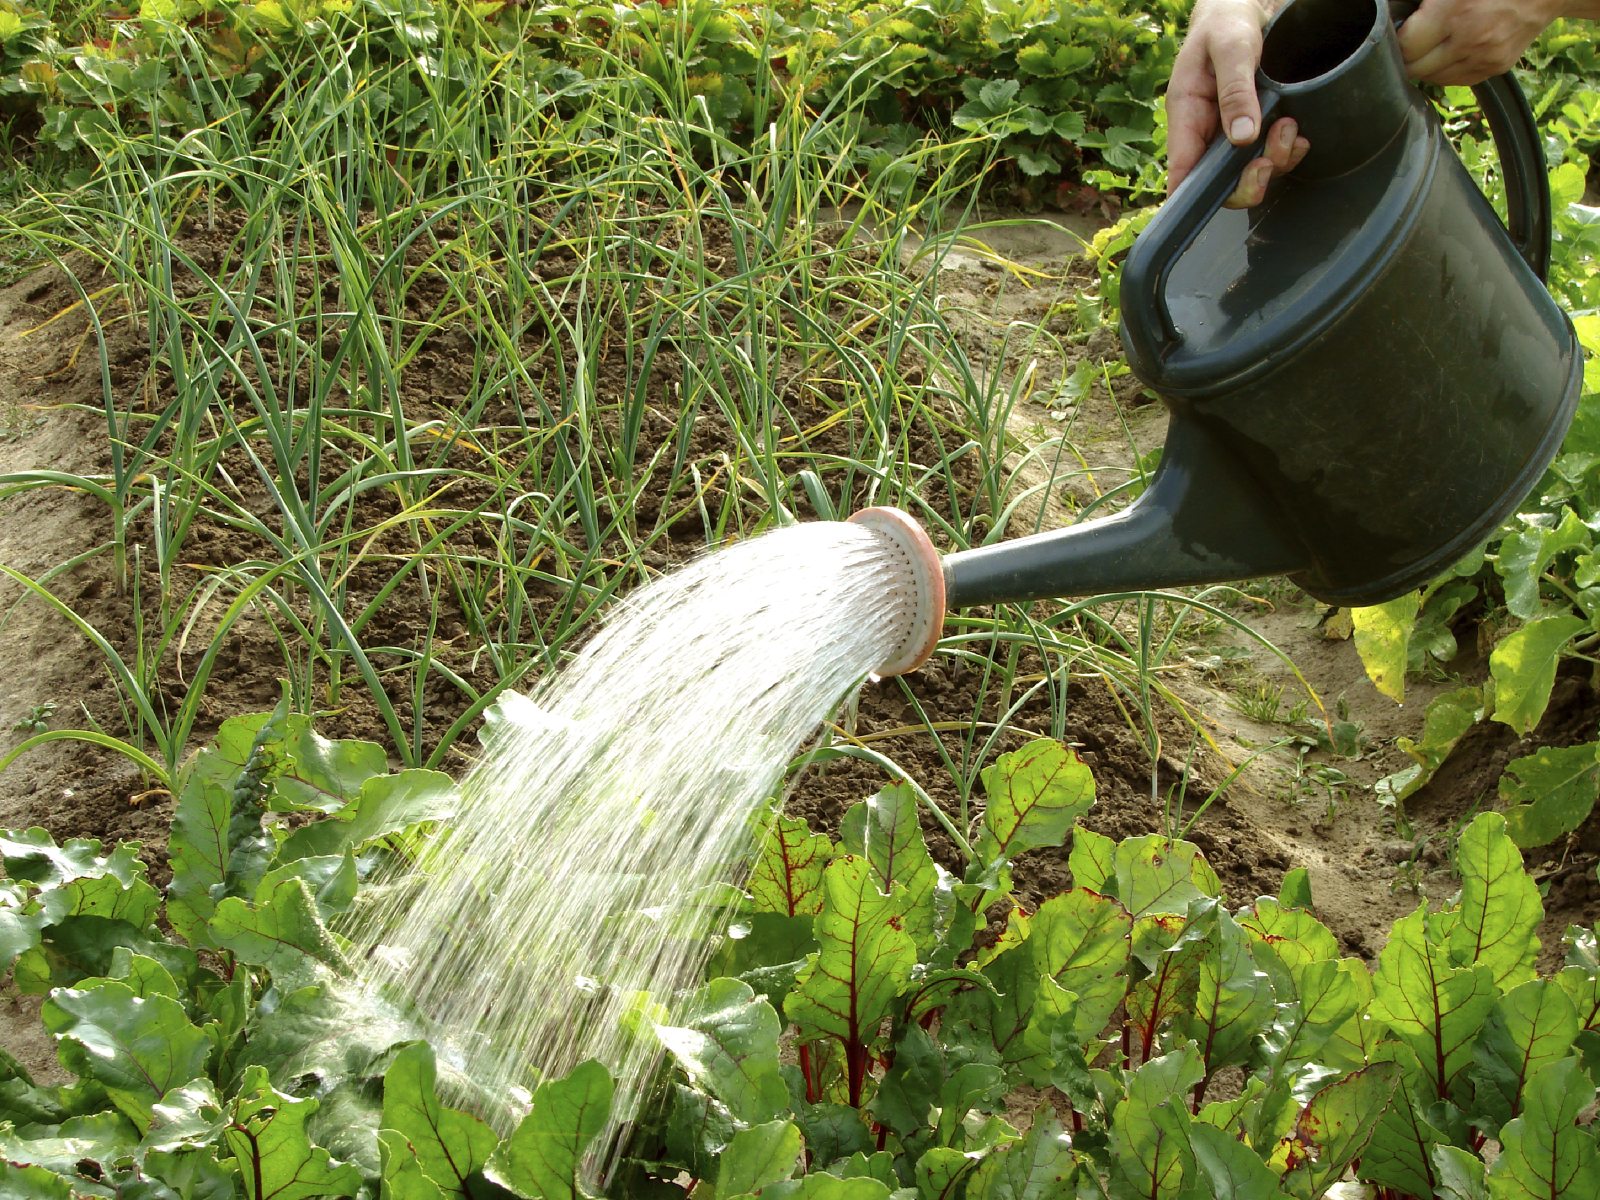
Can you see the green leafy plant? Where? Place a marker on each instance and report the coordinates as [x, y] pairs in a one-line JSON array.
[[217, 1058]]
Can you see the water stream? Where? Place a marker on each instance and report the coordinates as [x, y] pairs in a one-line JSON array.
[[612, 808]]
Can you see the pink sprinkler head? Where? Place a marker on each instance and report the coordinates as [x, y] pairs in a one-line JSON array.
[[918, 580]]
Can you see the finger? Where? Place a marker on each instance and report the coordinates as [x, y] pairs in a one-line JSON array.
[[1280, 143], [1183, 152], [1252, 189], [1191, 113], [1299, 154], [1442, 64], [1423, 33], [1235, 55]]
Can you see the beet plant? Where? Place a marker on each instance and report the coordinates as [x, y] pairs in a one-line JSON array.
[[876, 1025]]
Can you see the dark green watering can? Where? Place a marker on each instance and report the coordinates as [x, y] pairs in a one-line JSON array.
[[1365, 372]]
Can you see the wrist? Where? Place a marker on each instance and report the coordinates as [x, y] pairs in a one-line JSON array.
[[1580, 10]]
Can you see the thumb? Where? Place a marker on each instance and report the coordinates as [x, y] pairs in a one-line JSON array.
[[1234, 58]]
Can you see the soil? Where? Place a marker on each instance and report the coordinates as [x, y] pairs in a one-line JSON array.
[[1231, 699]]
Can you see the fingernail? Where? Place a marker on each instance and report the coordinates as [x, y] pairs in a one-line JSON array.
[[1263, 177], [1242, 129], [1287, 134]]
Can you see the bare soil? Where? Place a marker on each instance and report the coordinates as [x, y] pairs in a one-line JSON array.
[[1368, 865]]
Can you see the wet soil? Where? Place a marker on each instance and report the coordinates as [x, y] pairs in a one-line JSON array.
[[1368, 864]]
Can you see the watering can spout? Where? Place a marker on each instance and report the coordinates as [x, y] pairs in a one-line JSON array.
[[1201, 521]]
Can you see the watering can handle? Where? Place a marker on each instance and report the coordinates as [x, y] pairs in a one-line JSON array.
[[1521, 150], [1178, 222], [1175, 226], [1522, 168]]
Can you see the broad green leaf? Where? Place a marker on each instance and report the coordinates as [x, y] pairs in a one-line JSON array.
[[198, 849], [1092, 860], [758, 1156], [997, 94], [1383, 640], [1158, 875], [1172, 950], [820, 1185], [317, 774], [864, 960], [1460, 1173], [544, 1154], [1295, 891], [208, 833], [448, 1145], [1353, 1043], [76, 879], [909, 1088], [883, 830], [144, 974], [1080, 940], [76, 949], [1434, 1007], [386, 805], [32, 856], [1500, 906], [1529, 1026], [728, 1046], [191, 1174], [1035, 795], [1052, 1032], [1229, 1167], [787, 877], [931, 990], [1400, 1154], [1545, 1153], [1550, 792], [1294, 935], [698, 1129], [1524, 555], [833, 1132], [879, 1166], [1323, 996], [1582, 986], [941, 1172], [139, 1047], [190, 1117], [1449, 716], [1149, 1132], [279, 931], [972, 1084], [1335, 1127], [277, 1160], [331, 878], [38, 1183], [1524, 668], [400, 1173], [1039, 1167], [101, 1139], [19, 933], [1233, 1000]]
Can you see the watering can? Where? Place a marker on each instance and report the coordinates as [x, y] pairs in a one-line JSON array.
[[1365, 373]]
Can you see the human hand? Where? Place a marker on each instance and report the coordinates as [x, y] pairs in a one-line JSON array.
[[1467, 41], [1213, 88]]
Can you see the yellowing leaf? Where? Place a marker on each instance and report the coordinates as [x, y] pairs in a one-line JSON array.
[[1524, 669], [1383, 639]]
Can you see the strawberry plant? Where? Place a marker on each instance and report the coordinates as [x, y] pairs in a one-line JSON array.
[[871, 1020]]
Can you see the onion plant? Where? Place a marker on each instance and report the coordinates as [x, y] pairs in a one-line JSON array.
[[639, 302]]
